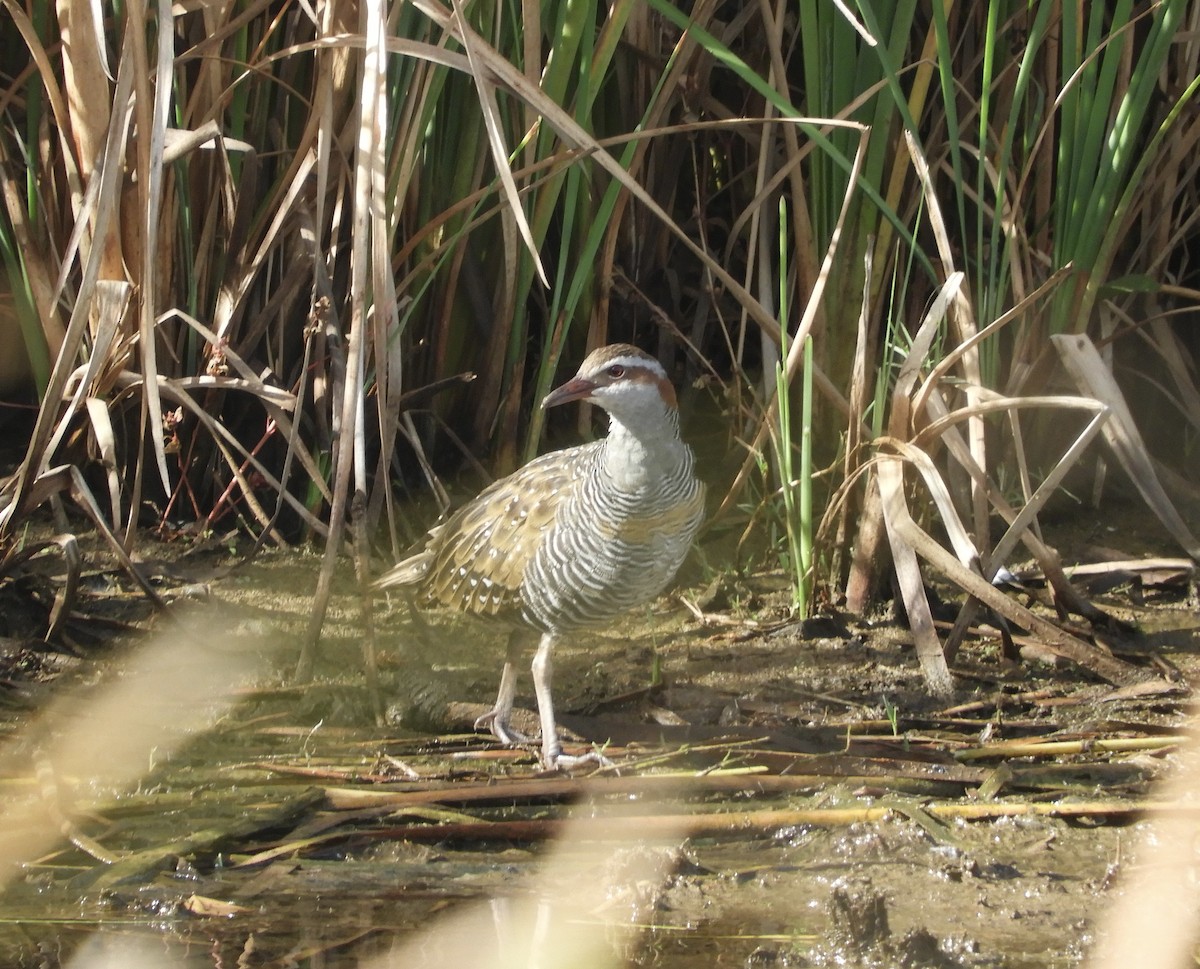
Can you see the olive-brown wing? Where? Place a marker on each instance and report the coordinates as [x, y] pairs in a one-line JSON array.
[[481, 552]]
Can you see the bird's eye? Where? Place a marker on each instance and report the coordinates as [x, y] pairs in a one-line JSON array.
[[616, 371]]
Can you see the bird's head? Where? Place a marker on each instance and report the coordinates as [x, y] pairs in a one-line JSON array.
[[627, 382]]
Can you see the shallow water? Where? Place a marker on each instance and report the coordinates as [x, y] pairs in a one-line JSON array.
[[244, 846]]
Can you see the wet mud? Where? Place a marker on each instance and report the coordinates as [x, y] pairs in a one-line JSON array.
[[783, 793]]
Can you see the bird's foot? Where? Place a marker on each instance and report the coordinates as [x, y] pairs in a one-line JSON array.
[[496, 723], [554, 759]]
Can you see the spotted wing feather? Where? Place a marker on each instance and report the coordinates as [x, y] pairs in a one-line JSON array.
[[477, 559]]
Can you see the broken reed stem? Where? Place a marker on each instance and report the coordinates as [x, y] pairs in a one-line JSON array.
[[1054, 747], [756, 824], [652, 785]]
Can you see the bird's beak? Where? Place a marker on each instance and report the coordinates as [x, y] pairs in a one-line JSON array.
[[577, 388]]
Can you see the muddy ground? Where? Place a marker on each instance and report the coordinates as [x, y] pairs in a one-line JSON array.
[[782, 793]]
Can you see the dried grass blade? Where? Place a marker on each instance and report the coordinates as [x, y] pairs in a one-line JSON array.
[[153, 132], [1022, 525], [109, 307], [962, 319], [1062, 643], [216, 342], [1047, 558], [950, 360], [1056, 748], [102, 432], [480, 59], [37, 455], [85, 80], [289, 849], [43, 332], [241, 274], [48, 79], [83, 497], [908, 574], [901, 417], [141, 866], [859, 385], [1087, 369], [896, 517], [960, 539], [64, 598], [276, 397], [1169, 566], [296, 451], [180, 142], [16, 556], [940, 430]]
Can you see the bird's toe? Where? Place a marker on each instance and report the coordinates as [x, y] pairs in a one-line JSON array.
[[499, 727], [557, 760]]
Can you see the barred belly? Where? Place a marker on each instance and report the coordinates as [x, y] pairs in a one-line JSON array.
[[609, 553]]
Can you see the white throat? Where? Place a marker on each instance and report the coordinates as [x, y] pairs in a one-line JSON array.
[[640, 455]]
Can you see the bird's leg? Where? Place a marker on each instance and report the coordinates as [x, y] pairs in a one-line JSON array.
[[543, 672], [497, 719]]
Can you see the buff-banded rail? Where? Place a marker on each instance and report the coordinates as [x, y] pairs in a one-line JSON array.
[[575, 537]]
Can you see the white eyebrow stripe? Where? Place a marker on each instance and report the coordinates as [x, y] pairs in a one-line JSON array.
[[638, 363]]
